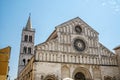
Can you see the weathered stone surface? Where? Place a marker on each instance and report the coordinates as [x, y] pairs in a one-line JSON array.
[[75, 53]]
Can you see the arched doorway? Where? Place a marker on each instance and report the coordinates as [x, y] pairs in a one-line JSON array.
[[81, 73], [50, 77], [79, 76], [107, 78]]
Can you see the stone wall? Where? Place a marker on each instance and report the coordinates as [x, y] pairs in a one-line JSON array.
[[110, 71], [44, 69], [59, 49]]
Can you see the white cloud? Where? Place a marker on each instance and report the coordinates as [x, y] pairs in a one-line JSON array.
[[113, 4], [103, 4]]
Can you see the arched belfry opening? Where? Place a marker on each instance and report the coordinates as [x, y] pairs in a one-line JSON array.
[[81, 73]]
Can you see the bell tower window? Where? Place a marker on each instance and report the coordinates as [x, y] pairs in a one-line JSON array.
[[24, 61], [28, 60], [26, 38], [30, 38], [29, 50], [25, 50]]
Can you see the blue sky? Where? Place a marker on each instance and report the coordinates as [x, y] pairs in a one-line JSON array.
[[102, 15]]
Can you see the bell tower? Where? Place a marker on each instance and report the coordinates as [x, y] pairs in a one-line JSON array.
[[27, 45]]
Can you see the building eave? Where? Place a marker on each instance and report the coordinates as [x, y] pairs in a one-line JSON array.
[[118, 47]]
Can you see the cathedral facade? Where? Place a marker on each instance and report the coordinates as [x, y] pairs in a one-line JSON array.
[[72, 51]]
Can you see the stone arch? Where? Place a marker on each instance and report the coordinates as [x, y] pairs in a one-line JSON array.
[[50, 45], [64, 28], [79, 76], [67, 27], [83, 71], [65, 71], [28, 60], [43, 47], [107, 78], [50, 77], [46, 46]]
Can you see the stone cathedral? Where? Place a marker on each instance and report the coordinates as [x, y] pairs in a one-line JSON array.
[[71, 52]]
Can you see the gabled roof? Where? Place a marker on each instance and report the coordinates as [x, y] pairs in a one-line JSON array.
[[76, 19], [105, 48], [54, 33], [52, 36]]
